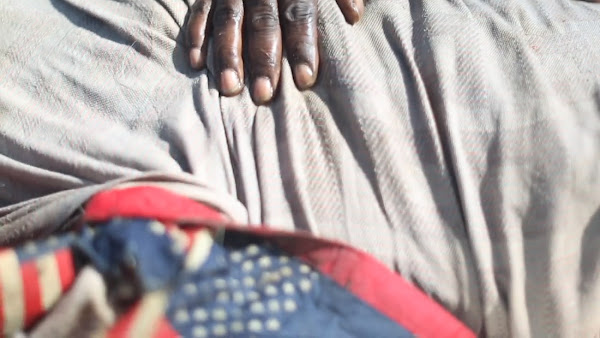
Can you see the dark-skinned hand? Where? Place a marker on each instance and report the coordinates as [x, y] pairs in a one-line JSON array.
[[265, 27]]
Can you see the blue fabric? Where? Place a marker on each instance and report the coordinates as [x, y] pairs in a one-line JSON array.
[[126, 249]]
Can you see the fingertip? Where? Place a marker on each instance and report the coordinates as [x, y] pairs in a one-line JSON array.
[[360, 9], [304, 76], [230, 83], [353, 11], [196, 59], [262, 91]]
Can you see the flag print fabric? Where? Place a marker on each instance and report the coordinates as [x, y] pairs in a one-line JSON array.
[[145, 262]]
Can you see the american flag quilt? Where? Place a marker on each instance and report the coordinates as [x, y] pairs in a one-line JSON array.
[[145, 262]]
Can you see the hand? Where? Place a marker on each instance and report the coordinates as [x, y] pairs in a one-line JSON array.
[[267, 25]]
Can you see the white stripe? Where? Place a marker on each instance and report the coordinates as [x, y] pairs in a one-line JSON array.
[[151, 309], [49, 278], [200, 250], [13, 303]]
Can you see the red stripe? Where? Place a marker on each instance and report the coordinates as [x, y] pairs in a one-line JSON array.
[[66, 269], [164, 330], [32, 292], [147, 202], [123, 325], [191, 235]]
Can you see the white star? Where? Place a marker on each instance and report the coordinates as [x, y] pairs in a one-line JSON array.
[[286, 271], [190, 289], [270, 277], [305, 285], [157, 228], [249, 282], [273, 305], [257, 308], [238, 297], [200, 314], [219, 330], [181, 316], [255, 325], [289, 305], [53, 241], [237, 327], [288, 288], [273, 324], [236, 256], [30, 248], [264, 261], [223, 297], [270, 290], [199, 332], [248, 266], [219, 314], [253, 296], [304, 268], [252, 249], [220, 283]]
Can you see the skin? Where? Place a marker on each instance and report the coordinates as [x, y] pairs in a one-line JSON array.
[[267, 27]]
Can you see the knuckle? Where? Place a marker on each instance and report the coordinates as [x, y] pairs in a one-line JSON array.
[[264, 60], [301, 11], [301, 51], [201, 7], [264, 17], [227, 53], [228, 13]]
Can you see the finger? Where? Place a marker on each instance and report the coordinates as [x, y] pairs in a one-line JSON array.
[[198, 32], [352, 9], [227, 22], [264, 43], [300, 36]]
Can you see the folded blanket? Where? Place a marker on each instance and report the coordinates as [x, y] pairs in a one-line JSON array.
[[149, 263], [457, 141]]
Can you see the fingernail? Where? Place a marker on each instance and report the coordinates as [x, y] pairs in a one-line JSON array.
[[304, 76], [195, 60], [357, 8], [263, 90], [230, 82], [360, 8]]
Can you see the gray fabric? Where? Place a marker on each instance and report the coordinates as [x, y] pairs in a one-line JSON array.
[[456, 140]]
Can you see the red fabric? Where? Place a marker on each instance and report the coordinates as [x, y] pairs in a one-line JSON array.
[[146, 202], [165, 330], [121, 328], [66, 269], [32, 292]]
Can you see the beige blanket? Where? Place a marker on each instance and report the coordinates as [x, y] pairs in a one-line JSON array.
[[456, 140]]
